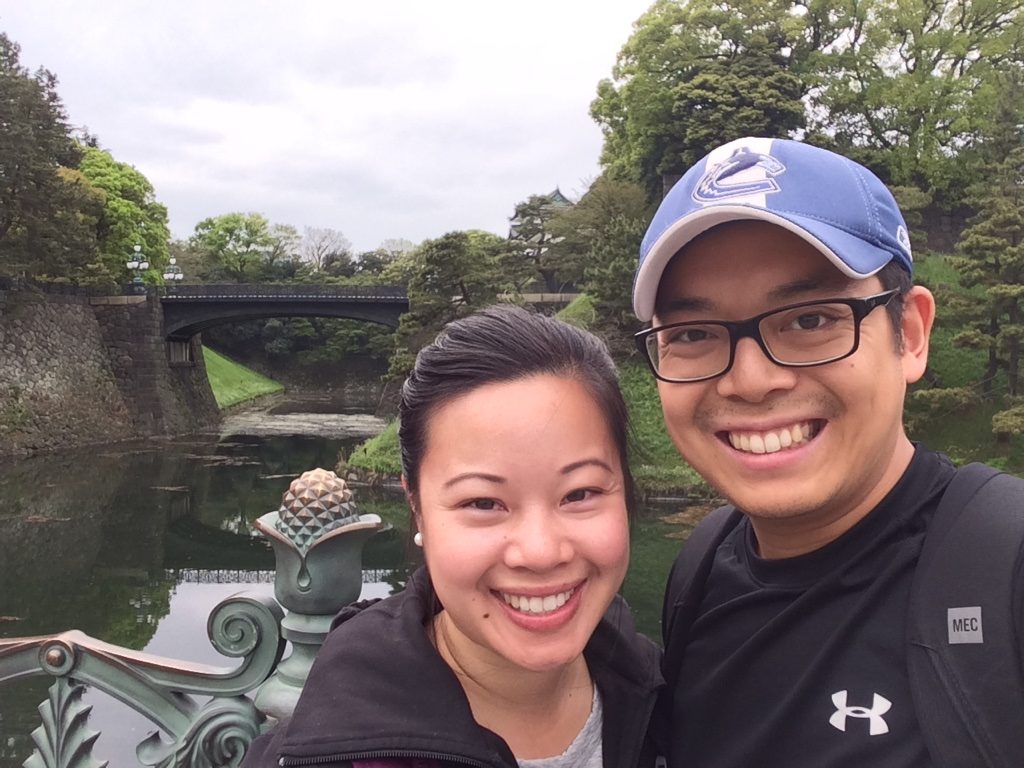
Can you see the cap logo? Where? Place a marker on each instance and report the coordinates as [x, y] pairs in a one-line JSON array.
[[743, 174], [903, 238]]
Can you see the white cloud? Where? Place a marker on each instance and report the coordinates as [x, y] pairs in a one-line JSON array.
[[384, 120]]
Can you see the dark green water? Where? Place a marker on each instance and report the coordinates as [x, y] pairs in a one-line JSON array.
[[135, 545]]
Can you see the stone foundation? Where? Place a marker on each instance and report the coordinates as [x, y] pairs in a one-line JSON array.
[[78, 370]]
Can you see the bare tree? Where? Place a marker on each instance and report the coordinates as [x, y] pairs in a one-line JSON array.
[[396, 246], [321, 245]]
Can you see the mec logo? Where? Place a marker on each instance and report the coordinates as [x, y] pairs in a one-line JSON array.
[[964, 625]]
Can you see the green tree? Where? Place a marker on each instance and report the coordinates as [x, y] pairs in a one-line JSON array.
[[131, 215], [610, 275], [579, 229], [390, 263], [531, 256], [239, 246], [45, 209], [991, 256], [373, 263], [693, 75], [908, 87], [64, 245], [914, 84], [452, 276]]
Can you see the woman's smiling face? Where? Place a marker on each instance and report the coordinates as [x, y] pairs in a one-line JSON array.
[[522, 508]]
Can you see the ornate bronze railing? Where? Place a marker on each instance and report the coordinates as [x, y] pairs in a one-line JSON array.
[[203, 713]]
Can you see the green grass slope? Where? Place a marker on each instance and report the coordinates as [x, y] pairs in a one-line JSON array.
[[233, 383], [379, 454]]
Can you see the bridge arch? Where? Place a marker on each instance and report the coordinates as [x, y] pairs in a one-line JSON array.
[[191, 309]]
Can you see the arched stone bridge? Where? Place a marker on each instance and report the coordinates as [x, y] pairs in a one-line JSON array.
[[190, 309]]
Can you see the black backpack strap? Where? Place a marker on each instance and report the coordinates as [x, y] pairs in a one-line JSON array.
[[964, 653], [686, 584]]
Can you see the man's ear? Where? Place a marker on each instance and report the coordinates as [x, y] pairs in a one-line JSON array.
[[918, 318]]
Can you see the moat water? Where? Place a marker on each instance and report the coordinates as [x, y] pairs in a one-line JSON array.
[[135, 544]]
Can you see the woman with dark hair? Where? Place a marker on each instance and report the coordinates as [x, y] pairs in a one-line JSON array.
[[511, 646]]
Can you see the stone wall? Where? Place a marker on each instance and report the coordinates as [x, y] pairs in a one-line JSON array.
[[56, 385], [78, 370], [163, 398]]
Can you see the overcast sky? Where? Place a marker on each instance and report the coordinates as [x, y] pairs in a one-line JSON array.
[[386, 119]]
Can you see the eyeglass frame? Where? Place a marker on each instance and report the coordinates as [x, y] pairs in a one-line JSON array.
[[751, 329]]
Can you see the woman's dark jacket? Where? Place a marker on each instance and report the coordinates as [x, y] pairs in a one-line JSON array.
[[380, 694]]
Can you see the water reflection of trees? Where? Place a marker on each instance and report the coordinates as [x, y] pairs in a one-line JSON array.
[[80, 549], [246, 476], [98, 541]]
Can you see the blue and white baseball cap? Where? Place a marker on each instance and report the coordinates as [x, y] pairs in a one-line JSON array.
[[835, 204]]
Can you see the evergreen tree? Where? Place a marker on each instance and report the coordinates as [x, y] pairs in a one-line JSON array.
[[609, 276], [991, 257], [532, 255], [40, 201], [452, 276]]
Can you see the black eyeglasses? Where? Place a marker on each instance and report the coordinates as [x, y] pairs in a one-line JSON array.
[[796, 336]]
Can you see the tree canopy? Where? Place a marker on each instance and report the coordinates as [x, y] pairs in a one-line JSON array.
[[245, 247], [909, 87], [68, 210], [40, 196], [450, 276], [531, 256], [597, 244], [991, 256], [916, 83], [131, 214], [693, 75]]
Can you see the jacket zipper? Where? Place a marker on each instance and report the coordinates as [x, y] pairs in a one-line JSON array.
[[284, 762]]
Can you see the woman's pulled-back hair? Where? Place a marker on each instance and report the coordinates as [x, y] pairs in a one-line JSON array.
[[500, 344]]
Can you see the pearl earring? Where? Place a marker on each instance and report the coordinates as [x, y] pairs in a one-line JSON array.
[[418, 539]]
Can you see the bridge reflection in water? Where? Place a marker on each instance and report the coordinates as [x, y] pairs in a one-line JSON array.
[[197, 576]]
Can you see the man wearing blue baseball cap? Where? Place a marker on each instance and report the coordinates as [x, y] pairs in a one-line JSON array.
[[847, 608]]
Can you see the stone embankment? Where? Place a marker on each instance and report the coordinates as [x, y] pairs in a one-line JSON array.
[[78, 370], [56, 385]]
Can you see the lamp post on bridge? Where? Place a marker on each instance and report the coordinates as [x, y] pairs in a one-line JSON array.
[[137, 264], [173, 273]]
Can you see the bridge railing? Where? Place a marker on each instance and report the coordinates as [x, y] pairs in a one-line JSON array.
[[283, 291], [210, 290], [208, 716]]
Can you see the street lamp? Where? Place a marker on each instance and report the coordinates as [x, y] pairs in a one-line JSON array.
[[173, 272], [137, 264]]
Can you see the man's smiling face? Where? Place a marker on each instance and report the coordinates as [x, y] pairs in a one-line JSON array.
[[838, 427]]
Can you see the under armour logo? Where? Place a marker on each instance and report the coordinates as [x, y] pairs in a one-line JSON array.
[[879, 706], [718, 183]]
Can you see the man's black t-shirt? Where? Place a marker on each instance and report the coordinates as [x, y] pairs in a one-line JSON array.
[[802, 661]]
